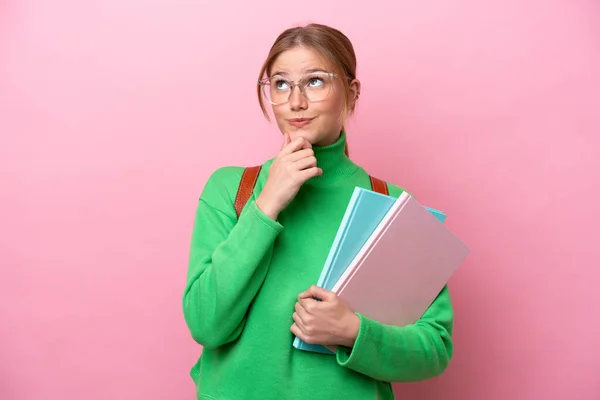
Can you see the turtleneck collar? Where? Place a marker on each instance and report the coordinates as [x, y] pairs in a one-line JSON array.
[[333, 161]]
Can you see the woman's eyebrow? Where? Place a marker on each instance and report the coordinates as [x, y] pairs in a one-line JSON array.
[[306, 70], [279, 73], [310, 70]]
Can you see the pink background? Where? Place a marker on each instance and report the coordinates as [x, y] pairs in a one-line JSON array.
[[114, 113]]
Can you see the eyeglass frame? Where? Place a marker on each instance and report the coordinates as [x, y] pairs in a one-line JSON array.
[[293, 84]]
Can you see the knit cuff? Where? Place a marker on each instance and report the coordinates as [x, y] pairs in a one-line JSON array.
[[364, 347], [252, 211]]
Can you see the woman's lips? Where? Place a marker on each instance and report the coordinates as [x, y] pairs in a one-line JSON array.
[[299, 122]]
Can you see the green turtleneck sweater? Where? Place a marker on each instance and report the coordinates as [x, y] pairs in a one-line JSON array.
[[243, 281]]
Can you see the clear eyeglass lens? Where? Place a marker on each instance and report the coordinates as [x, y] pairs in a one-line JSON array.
[[316, 87]]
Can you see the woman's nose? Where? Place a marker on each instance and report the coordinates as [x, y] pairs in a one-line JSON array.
[[297, 99]]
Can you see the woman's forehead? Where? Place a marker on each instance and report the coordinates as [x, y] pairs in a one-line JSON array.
[[299, 61]]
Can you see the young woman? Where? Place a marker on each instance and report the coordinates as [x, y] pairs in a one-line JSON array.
[[250, 285]]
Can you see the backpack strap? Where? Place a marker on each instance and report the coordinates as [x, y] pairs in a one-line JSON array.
[[379, 186], [247, 183], [250, 176]]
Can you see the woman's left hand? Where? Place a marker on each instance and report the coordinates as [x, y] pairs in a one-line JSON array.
[[327, 321]]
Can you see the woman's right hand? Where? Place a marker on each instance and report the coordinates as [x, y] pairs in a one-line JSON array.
[[294, 165]]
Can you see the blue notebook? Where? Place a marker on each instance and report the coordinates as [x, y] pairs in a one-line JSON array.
[[364, 212]]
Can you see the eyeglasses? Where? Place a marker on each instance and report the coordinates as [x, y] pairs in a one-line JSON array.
[[315, 87]]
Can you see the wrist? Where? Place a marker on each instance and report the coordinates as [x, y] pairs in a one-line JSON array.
[[351, 331], [267, 208]]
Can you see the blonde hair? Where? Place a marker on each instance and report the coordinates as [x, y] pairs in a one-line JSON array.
[[330, 43]]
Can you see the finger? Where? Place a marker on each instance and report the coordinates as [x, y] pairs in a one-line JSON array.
[[317, 292], [308, 305], [306, 174], [300, 334], [300, 313], [306, 144], [295, 145], [297, 319], [296, 331], [299, 324], [309, 162], [300, 154]]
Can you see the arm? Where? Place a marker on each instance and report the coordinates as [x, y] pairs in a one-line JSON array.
[[403, 354], [228, 262]]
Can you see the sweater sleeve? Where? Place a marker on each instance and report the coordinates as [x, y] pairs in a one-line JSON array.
[[228, 262], [408, 353]]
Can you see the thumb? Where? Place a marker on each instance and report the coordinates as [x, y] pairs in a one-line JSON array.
[[316, 292]]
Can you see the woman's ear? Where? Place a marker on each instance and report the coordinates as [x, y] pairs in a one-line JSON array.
[[354, 94]]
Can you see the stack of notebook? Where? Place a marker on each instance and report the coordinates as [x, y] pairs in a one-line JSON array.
[[390, 259]]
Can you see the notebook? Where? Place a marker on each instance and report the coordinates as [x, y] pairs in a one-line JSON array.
[[402, 267], [364, 212]]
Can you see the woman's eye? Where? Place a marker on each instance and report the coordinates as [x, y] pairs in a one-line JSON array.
[[282, 85], [315, 82]]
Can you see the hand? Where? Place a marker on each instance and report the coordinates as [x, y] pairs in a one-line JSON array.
[[328, 321], [294, 165]]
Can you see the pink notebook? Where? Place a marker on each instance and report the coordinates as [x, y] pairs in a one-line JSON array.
[[403, 266]]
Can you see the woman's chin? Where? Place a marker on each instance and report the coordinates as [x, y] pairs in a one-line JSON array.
[[305, 133], [314, 137]]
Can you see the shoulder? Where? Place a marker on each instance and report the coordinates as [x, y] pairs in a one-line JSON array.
[[221, 186], [224, 177]]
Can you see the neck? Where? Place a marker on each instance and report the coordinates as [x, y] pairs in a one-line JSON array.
[[334, 162]]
